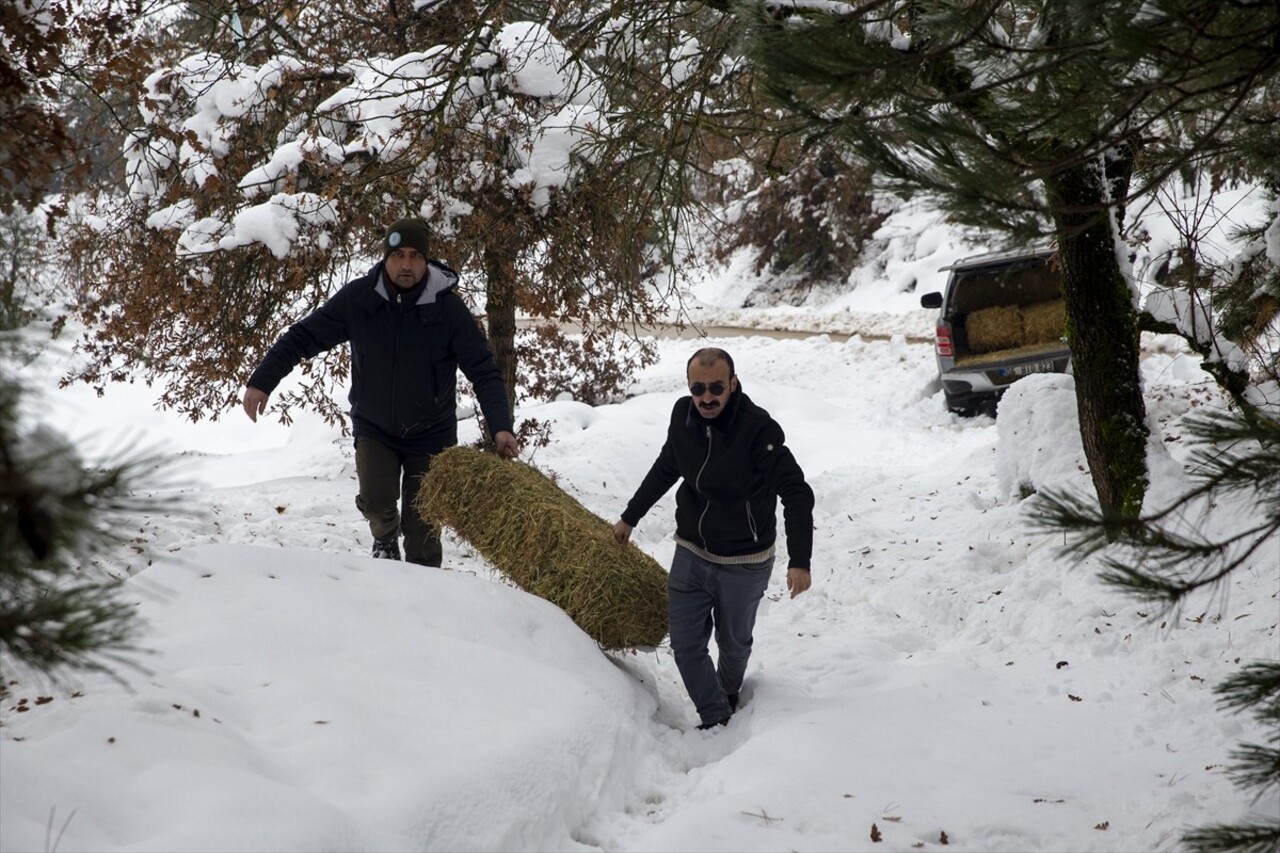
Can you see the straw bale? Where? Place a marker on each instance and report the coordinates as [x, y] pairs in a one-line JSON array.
[[995, 328], [1052, 349], [549, 544], [1044, 321]]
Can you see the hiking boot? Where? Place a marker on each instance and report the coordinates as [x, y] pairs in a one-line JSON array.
[[707, 726], [733, 702], [386, 550]]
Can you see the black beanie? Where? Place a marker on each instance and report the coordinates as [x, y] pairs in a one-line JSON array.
[[406, 234]]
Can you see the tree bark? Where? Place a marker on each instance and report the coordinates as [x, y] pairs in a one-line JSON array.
[[1102, 332], [500, 301]]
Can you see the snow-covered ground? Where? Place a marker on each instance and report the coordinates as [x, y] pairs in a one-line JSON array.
[[950, 679]]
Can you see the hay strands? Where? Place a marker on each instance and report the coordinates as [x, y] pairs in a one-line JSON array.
[[548, 544]]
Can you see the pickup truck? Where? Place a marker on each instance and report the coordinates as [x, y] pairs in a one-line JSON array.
[[1001, 317]]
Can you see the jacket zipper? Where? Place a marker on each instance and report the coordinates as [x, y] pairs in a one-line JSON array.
[[395, 355], [697, 483]]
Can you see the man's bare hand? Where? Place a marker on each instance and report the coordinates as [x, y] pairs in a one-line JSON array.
[[255, 402], [622, 532], [798, 580], [505, 445]]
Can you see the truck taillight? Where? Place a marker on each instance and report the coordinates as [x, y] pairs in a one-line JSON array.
[[943, 343]]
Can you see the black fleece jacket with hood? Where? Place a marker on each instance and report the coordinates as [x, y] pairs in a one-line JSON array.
[[734, 469], [406, 349]]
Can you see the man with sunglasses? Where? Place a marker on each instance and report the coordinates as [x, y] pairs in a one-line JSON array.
[[730, 456]]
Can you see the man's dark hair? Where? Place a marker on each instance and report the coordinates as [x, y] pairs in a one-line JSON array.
[[708, 356]]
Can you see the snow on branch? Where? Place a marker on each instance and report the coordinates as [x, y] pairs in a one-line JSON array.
[[517, 112]]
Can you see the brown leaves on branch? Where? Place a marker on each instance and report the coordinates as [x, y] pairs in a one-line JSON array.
[[195, 326], [50, 55]]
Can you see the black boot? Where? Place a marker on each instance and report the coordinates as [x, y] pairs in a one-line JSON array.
[[386, 550]]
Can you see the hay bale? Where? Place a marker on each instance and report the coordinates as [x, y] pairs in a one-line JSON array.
[[995, 328], [1044, 321], [549, 544]]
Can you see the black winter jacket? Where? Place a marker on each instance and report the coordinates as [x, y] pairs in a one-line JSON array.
[[734, 469], [405, 353]]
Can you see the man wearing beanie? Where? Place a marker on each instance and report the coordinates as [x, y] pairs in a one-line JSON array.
[[409, 334]]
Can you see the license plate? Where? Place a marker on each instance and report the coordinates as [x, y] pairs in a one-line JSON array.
[[1045, 366]]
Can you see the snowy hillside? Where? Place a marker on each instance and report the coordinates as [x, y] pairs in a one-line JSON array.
[[950, 682]]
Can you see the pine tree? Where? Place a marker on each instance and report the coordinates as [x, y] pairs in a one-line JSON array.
[[1034, 119], [1162, 557], [57, 612]]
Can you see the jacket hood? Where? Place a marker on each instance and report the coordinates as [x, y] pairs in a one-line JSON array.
[[439, 279]]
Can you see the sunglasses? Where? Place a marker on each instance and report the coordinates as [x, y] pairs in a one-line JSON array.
[[697, 389]]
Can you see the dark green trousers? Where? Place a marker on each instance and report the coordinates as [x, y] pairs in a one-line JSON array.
[[389, 482]]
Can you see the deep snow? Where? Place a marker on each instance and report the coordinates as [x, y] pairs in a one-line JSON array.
[[950, 674]]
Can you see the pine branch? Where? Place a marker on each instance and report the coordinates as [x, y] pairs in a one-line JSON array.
[[1161, 556], [1256, 767], [56, 515], [1256, 683], [1152, 558], [47, 628], [1244, 838]]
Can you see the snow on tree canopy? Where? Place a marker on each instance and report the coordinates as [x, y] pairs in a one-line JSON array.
[[286, 160], [223, 93], [523, 94], [535, 60], [384, 93], [538, 66], [277, 224]]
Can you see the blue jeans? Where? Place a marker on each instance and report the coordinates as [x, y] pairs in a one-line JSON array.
[[703, 596]]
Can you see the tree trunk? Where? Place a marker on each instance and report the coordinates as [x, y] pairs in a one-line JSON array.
[[500, 300], [1102, 331]]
